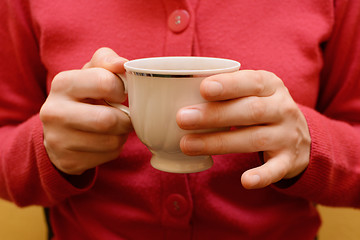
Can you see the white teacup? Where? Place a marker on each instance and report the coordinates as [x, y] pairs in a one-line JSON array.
[[157, 88]]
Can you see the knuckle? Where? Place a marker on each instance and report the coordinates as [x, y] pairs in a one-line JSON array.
[[66, 83], [266, 83], [275, 80], [259, 82], [294, 137], [63, 81], [289, 110], [51, 114], [112, 142], [217, 113], [105, 120], [99, 57], [56, 143], [105, 81], [99, 54], [70, 166], [59, 81], [60, 157], [101, 51], [51, 141], [47, 113], [260, 140], [257, 109]]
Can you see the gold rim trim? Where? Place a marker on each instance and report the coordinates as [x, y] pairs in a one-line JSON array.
[[168, 75]]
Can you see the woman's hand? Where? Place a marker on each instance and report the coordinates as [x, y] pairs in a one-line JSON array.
[[80, 130], [265, 117]]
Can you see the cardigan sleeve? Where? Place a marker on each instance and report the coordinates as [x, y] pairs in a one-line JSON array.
[[26, 173], [333, 174]]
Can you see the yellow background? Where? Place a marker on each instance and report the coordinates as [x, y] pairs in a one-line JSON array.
[[29, 223]]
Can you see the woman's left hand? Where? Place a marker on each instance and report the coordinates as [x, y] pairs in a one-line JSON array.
[[265, 117]]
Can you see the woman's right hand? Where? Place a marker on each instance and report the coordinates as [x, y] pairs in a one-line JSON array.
[[80, 130]]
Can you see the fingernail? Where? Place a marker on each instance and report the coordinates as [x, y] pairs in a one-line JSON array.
[[213, 88], [189, 117]]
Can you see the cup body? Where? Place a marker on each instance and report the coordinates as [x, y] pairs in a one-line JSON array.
[[157, 89]]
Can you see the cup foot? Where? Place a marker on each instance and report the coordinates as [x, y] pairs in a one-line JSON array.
[[181, 163]]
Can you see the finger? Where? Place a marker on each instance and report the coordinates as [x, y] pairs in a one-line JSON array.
[[101, 119], [243, 83], [95, 83], [94, 143], [80, 141], [106, 58], [270, 172], [237, 112], [243, 140], [75, 163]]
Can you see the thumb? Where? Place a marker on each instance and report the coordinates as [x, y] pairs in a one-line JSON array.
[[275, 169]]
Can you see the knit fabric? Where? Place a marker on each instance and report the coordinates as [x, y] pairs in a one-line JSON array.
[[313, 46]]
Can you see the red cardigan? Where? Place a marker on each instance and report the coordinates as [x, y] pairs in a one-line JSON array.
[[313, 46]]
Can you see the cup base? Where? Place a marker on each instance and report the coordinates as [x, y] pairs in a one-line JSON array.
[[181, 163]]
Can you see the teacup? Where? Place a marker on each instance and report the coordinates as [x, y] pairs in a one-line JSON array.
[[157, 88]]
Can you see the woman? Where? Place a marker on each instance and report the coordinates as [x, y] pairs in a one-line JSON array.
[[294, 109]]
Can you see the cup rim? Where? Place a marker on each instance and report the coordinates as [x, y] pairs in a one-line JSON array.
[[231, 66]]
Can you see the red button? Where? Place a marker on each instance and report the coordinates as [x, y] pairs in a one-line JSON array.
[[177, 205], [179, 20]]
